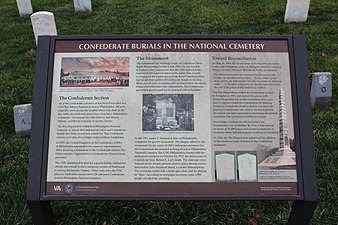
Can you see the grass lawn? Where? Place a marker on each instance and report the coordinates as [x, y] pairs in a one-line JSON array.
[[17, 68]]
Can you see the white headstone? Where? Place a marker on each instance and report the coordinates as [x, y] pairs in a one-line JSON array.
[[43, 24], [22, 119], [83, 5], [321, 89], [247, 167], [225, 167], [25, 7], [296, 11]]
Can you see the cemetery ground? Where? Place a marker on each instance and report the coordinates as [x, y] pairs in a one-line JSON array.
[[17, 68]]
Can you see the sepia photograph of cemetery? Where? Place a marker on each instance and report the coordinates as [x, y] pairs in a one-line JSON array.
[[168, 112], [94, 72]]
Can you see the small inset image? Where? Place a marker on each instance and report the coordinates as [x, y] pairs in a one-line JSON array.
[[282, 156], [225, 166], [168, 112], [247, 166], [94, 72]]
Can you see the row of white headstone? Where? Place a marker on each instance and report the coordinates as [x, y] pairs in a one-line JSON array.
[[296, 10], [26, 9]]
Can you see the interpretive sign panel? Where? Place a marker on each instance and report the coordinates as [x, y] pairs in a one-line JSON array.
[[171, 117]]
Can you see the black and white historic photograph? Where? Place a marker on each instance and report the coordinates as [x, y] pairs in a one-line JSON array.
[[168, 112], [94, 72], [282, 156]]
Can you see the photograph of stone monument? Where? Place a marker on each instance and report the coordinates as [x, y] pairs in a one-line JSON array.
[[168, 112], [284, 157], [247, 166], [94, 72], [225, 166]]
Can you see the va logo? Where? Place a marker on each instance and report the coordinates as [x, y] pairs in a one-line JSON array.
[[69, 188], [57, 188]]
